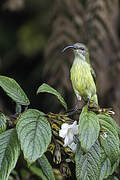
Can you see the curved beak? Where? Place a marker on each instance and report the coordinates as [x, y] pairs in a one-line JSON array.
[[67, 47]]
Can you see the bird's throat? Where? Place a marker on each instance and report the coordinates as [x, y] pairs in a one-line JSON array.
[[79, 57]]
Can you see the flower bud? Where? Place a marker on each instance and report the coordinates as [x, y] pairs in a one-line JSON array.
[[65, 170], [57, 154]]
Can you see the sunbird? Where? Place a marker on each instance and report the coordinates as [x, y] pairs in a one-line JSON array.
[[82, 75]]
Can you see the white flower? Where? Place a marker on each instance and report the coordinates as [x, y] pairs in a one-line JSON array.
[[67, 132]]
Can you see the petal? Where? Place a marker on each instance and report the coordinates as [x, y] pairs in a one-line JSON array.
[[74, 124], [62, 133], [73, 146], [66, 141], [63, 130], [65, 126], [74, 127], [70, 134], [75, 130]]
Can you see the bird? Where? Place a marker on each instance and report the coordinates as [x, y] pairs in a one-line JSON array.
[[82, 75]]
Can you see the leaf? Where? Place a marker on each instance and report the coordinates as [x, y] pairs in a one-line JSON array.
[[88, 129], [88, 166], [109, 141], [112, 178], [106, 169], [110, 120], [46, 88], [37, 171], [115, 165], [2, 122], [9, 152], [13, 90], [46, 167], [34, 133]]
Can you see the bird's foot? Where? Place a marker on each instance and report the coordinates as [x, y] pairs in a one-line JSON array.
[[74, 110]]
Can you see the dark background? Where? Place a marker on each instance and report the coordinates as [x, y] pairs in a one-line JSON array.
[[32, 35]]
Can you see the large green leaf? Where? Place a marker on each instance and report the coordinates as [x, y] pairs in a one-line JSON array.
[[9, 152], [13, 90], [106, 169], [88, 165], [34, 133], [46, 88], [2, 122], [110, 120], [46, 167], [88, 128], [109, 141]]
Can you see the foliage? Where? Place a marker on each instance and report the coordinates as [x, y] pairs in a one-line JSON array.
[[89, 129], [10, 149], [33, 34], [46, 88], [34, 133]]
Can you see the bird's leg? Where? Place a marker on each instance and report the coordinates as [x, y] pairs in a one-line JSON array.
[[88, 103], [74, 110]]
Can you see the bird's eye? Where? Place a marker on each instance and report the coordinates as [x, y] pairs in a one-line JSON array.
[[81, 48]]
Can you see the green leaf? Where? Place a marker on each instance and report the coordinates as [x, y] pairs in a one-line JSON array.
[[88, 166], [46, 88], [110, 120], [106, 169], [9, 152], [37, 171], [109, 141], [2, 122], [88, 129], [46, 167], [13, 90], [112, 178], [115, 165], [34, 133]]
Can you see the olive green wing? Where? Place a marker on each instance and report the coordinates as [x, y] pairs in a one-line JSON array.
[[92, 70], [93, 74]]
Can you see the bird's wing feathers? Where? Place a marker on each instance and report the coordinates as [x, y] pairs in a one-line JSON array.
[[92, 70], [93, 74]]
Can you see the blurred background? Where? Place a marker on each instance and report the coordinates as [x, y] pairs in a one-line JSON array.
[[32, 35]]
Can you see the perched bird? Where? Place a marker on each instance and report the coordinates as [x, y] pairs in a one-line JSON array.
[[82, 75]]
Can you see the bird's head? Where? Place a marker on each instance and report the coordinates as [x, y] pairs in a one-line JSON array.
[[80, 50]]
